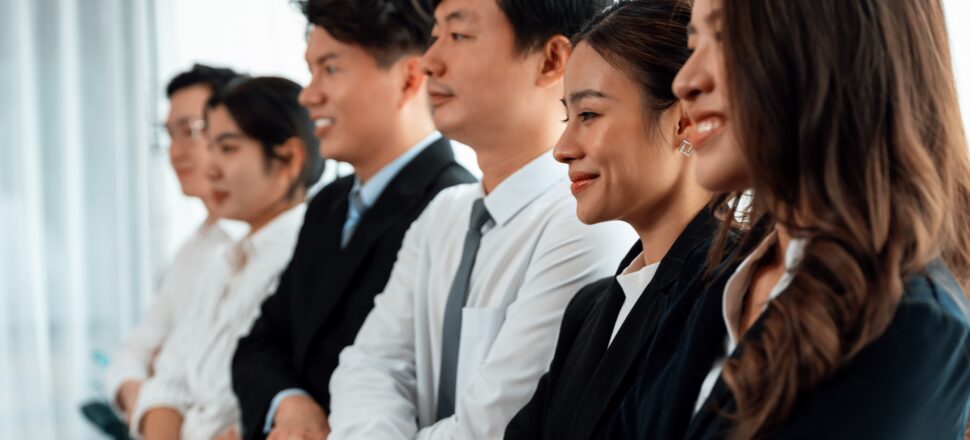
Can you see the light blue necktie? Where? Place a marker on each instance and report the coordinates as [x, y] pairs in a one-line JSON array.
[[354, 214]]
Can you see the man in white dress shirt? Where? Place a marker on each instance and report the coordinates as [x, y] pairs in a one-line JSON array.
[[134, 361], [468, 321]]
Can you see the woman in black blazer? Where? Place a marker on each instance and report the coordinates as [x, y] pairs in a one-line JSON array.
[[624, 146], [849, 318]]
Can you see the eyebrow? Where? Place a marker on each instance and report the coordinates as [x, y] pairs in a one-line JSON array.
[[459, 15], [227, 136], [324, 58], [712, 19], [580, 95]]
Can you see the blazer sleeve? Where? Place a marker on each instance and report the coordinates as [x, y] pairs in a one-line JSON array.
[[261, 365], [531, 419], [912, 382]]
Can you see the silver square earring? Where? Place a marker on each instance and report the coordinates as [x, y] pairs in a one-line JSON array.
[[686, 148]]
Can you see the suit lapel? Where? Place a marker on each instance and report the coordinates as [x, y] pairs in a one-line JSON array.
[[401, 196], [621, 358]]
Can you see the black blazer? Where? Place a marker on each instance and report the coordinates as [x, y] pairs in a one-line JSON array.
[[911, 383], [588, 376], [326, 291]]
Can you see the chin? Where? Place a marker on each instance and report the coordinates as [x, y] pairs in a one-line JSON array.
[[588, 217]]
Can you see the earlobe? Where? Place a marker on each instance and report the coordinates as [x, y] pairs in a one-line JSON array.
[[555, 54]]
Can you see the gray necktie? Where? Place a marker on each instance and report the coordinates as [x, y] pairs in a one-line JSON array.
[[451, 333]]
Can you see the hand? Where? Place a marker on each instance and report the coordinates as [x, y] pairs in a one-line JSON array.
[[128, 397], [299, 418], [229, 434], [161, 423]]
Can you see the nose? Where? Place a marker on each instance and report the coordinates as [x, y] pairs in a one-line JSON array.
[[431, 63], [313, 94], [695, 77], [568, 148], [213, 171]]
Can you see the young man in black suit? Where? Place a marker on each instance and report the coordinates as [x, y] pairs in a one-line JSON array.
[[368, 101]]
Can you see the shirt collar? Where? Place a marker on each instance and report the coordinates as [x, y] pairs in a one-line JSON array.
[[372, 189], [271, 236], [738, 284], [524, 186]]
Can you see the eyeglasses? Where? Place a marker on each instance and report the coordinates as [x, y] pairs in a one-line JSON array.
[[183, 129]]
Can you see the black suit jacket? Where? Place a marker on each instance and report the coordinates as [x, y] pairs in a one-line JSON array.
[[588, 376], [326, 291], [911, 383]]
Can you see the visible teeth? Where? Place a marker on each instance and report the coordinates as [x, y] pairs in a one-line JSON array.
[[709, 125], [323, 122]]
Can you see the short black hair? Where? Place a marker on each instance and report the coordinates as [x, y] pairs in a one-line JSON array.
[[214, 77], [534, 22], [267, 109], [387, 29]]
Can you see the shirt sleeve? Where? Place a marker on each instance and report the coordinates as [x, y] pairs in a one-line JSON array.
[[374, 388], [568, 256], [275, 405], [160, 391]]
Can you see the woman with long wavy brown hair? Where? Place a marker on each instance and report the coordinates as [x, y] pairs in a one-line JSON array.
[[849, 319]]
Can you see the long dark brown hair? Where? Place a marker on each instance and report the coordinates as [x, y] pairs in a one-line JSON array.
[[853, 138]]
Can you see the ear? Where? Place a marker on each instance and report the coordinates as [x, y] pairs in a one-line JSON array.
[[684, 125], [292, 156], [552, 66], [413, 78]]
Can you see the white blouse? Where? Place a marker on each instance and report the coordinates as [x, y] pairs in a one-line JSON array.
[[192, 372], [633, 281], [134, 359], [734, 293]]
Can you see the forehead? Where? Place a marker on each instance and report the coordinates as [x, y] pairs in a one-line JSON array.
[[321, 43], [467, 12], [219, 121], [705, 13], [189, 101], [587, 69]]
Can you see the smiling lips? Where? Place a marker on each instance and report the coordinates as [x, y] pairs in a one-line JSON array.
[[706, 126], [321, 126], [439, 95], [219, 196], [581, 181]]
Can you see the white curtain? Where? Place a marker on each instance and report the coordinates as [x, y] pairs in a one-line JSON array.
[[77, 100]]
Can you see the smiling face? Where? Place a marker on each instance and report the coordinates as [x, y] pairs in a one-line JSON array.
[[245, 184], [622, 162], [478, 83], [702, 87], [187, 151], [350, 98]]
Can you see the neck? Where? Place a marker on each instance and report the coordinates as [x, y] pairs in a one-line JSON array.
[[503, 152], [412, 125], [210, 214], [273, 211], [659, 232]]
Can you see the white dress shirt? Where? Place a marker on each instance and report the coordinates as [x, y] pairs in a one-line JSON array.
[[533, 258], [192, 373], [134, 359], [633, 281], [735, 291]]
